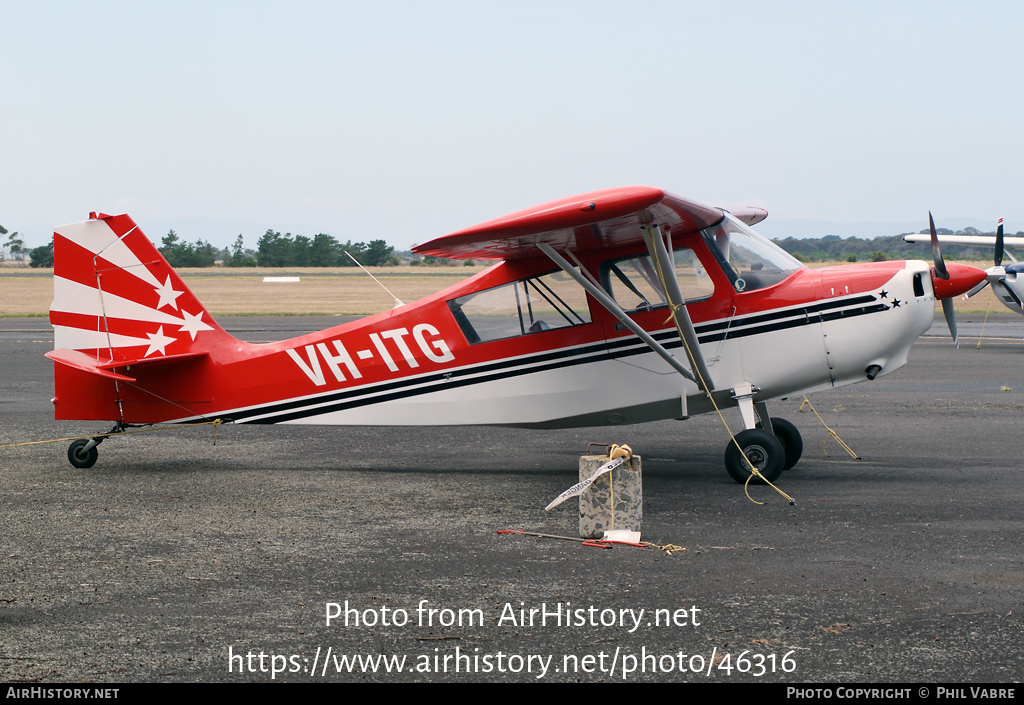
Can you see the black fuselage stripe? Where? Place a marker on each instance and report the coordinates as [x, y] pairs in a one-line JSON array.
[[793, 323], [611, 350], [591, 351], [766, 317]]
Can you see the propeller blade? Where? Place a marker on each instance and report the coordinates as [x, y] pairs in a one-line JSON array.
[[947, 311], [945, 287], [999, 243], [940, 266], [992, 274], [976, 289]]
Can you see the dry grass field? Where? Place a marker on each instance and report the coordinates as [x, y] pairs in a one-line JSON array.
[[346, 291], [242, 291]]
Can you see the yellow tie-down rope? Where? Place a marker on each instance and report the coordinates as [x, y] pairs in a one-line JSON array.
[[982, 333], [831, 433], [673, 308], [669, 548], [616, 451], [215, 423]]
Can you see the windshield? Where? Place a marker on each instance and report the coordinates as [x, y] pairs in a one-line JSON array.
[[748, 259]]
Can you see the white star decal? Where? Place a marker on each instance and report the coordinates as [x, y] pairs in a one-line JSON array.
[[158, 342], [167, 295], [193, 324]]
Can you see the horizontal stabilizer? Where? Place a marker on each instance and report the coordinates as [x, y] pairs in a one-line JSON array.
[[87, 363], [154, 361]]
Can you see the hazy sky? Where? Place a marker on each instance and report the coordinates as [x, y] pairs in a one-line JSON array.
[[408, 120]]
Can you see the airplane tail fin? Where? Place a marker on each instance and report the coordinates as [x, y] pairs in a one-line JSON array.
[[117, 299], [131, 342]]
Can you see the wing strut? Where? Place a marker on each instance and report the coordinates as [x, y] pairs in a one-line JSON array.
[[666, 267], [613, 308]]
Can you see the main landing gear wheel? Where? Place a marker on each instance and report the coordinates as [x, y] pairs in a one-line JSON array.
[[762, 449], [791, 441], [79, 456]]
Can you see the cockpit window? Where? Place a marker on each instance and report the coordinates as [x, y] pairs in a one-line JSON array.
[[748, 259], [546, 302], [633, 281]]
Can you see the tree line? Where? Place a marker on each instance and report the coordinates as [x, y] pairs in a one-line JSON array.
[[832, 248], [272, 250], [14, 247], [276, 250]]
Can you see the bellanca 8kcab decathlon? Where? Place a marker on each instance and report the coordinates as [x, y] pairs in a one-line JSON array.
[[618, 306]]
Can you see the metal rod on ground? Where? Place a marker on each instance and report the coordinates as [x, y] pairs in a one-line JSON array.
[[585, 542]]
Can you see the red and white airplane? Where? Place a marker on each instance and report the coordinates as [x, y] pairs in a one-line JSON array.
[[612, 307]]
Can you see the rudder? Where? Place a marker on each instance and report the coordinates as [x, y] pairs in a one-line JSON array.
[[115, 296]]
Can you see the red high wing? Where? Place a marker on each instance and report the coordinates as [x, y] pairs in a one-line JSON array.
[[605, 218]]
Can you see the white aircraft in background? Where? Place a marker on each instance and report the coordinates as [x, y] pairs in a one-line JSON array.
[[1005, 280]]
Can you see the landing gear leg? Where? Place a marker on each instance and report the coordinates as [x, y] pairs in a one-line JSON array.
[[753, 446], [786, 432]]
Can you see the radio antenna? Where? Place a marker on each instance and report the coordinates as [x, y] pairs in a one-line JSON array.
[[398, 301]]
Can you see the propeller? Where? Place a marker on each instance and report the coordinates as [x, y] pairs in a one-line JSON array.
[[940, 265], [951, 281], [999, 243], [955, 279], [995, 273], [941, 272]]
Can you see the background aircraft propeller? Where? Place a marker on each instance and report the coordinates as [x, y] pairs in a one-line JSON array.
[[997, 272], [999, 243]]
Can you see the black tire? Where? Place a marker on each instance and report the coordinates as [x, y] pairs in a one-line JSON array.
[[763, 450], [791, 441], [80, 457]]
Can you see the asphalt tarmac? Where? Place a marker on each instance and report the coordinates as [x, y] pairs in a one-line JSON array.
[[175, 559]]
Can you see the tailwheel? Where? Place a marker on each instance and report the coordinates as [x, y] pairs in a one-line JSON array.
[[762, 449], [792, 443], [82, 453]]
